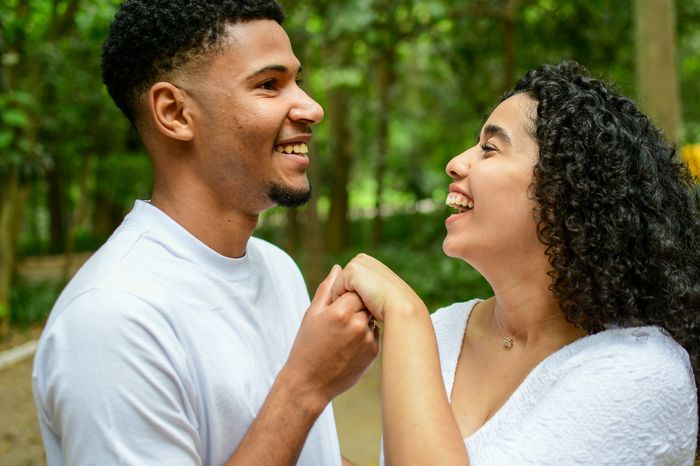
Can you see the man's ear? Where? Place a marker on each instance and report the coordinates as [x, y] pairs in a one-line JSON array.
[[170, 112]]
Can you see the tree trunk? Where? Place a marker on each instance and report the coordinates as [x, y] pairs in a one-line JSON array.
[[56, 205], [292, 227], [9, 203], [508, 26], [77, 218], [657, 67], [387, 74], [9, 179], [106, 215], [8, 189], [337, 233], [312, 240]]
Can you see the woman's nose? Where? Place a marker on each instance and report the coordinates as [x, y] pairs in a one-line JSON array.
[[458, 166]]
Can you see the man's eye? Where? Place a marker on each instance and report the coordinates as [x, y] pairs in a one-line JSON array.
[[269, 85], [300, 82], [487, 148]]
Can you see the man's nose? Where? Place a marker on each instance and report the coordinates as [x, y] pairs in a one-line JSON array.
[[306, 110]]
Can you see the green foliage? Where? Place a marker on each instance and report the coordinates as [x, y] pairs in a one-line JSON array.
[[412, 248], [125, 176], [32, 302], [17, 149], [450, 61]]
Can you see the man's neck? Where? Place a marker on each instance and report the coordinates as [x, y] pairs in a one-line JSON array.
[[226, 231]]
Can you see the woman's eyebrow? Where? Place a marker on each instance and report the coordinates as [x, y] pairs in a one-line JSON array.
[[495, 130]]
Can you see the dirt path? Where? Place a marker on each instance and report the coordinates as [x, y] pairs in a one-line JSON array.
[[357, 415], [20, 442]]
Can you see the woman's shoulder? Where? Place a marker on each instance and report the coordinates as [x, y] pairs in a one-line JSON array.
[[453, 314], [642, 362], [637, 348], [633, 380], [450, 322]]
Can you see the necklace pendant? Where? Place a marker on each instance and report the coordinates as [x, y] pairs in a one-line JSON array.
[[507, 342]]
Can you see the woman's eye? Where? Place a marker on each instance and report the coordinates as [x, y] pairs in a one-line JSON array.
[[300, 82], [487, 148]]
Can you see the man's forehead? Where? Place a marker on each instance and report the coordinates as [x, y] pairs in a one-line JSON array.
[[255, 32], [259, 46]]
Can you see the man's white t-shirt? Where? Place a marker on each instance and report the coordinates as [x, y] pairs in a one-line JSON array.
[[162, 351]]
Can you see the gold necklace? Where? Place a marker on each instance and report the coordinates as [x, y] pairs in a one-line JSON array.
[[508, 341]]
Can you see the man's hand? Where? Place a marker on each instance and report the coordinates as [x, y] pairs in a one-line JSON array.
[[335, 344], [333, 348]]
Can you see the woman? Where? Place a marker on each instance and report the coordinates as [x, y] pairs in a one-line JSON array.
[[586, 226]]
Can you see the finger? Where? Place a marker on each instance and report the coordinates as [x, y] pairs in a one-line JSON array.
[[350, 301], [340, 286], [322, 297], [368, 318]]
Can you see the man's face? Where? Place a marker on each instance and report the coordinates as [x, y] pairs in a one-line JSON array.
[[252, 120]]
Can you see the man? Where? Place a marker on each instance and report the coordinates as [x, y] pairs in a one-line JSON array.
[[175, 344]]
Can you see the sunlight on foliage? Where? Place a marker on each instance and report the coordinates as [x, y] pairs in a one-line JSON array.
[[691, 156]]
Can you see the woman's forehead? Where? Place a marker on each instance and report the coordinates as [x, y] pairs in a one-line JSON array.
[[514, 117]]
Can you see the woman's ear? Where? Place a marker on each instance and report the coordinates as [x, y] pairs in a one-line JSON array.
[[170, 111]]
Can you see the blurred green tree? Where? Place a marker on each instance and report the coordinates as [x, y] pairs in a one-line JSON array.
[[405, 85]]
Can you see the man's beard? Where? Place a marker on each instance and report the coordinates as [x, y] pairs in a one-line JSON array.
[[289, 197]]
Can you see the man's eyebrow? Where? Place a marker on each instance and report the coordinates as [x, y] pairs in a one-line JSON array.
[[494, 130], [271, 68]]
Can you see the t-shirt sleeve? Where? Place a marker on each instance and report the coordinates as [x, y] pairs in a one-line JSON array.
[[632, 404], [112, 385]]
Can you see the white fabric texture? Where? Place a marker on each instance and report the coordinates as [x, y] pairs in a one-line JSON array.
[[624, 396], [162, 351]]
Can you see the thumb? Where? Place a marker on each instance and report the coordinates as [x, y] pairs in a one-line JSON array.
[[322, 297]]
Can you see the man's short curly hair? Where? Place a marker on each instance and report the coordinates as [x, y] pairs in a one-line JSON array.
[[618, 211], [149, 38]]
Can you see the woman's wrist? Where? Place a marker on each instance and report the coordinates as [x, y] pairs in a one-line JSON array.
[[408, 310]]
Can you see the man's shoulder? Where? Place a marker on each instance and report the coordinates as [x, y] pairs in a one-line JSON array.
[[261, 249], [267, 248], [125, 267]]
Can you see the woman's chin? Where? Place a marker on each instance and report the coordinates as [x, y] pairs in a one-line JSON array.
[[450, 249]]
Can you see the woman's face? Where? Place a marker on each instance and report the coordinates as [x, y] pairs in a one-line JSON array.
[[491, 190]]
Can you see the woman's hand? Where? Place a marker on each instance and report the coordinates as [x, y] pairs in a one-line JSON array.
[[381, 290], [418, 424]]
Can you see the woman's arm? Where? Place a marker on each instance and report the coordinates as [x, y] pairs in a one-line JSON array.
[[419, 427]]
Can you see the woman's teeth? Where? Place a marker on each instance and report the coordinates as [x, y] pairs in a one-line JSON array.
[[459, 201], [293, 149]]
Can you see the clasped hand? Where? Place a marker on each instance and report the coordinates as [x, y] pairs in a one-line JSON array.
[[381, 290], [336, 341]]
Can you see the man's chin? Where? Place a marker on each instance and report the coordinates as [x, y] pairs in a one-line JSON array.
[[289, 197]]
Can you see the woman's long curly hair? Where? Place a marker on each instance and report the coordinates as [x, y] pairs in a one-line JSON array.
[[618, 211]]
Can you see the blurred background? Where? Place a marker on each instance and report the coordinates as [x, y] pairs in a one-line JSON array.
[[406, 85]]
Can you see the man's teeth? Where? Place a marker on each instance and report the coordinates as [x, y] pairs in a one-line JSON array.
[[459, 201], [293, 149]]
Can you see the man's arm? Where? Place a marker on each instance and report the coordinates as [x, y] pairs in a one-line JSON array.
[[333, 348]]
